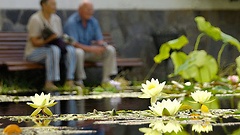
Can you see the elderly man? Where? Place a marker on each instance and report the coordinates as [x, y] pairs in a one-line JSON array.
[[84, 28], [42, 50]]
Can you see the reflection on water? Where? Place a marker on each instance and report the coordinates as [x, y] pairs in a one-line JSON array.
[[75, 124]]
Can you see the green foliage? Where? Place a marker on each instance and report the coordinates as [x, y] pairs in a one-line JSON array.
[[238, 65], [215, 32], [197, 65], [164, 51], [207, 28]]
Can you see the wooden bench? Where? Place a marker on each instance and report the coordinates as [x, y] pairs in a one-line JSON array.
[[12, 45]]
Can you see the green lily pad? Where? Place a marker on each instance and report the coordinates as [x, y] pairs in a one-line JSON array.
[[164, 51], [207, 28], [199, 66]]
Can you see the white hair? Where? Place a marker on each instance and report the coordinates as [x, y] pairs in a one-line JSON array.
[[83, 2]]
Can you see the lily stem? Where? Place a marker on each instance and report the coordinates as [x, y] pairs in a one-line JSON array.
[[198, 41], [150, 71], [224, 127], [220, 54]]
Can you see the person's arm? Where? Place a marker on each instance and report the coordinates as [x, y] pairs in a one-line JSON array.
[[39, 41], [98, 33], [92, 49], [34, 33]]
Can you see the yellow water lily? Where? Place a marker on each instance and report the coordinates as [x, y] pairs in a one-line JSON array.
[[152, 89], [205, 127], [149, 131], [168, 127], [41, 103], [201, 97], [166, 107]]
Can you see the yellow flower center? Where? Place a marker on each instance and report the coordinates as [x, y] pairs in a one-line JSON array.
[[151, 86]]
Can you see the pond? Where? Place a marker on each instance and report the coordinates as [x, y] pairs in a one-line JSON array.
[[116, 114]]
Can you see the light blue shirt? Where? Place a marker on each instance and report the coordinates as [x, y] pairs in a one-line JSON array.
[[84, 35]]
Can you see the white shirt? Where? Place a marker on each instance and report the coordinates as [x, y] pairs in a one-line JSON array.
[[36, 25]]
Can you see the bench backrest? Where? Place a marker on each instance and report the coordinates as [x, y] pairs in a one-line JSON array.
[[12, 45]]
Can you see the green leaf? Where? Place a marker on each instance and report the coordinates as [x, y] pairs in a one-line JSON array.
[[207, 28], [163, 54], [98, 89], [178, 58], [178, 43], [238, 65], [231, 40], [236, 132], [164, 51], [199, 66]]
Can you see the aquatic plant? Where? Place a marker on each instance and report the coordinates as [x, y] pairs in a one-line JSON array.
[[42, 103]]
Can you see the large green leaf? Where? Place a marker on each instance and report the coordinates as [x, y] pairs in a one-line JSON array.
[[164, 51], [178, 58], [207, 28], [238, 65], [199, 66], [215, 32], [231, 40]]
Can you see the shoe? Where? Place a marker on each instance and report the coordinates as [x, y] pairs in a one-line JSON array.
[[50, 87], [113, 83], [79, 83]]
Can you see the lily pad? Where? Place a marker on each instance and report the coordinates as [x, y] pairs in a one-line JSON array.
[[164, 51]]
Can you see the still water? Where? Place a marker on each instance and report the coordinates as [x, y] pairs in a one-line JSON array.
[[108, 126]]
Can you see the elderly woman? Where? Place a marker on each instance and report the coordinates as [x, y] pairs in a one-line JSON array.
[[42, 50]]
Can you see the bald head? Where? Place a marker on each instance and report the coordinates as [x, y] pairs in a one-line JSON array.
[[86, 9]]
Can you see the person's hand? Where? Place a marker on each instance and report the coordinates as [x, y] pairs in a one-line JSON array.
[[97, 49], [52, 37]]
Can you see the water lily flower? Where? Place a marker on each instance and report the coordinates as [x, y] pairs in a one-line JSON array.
[[233, 79], [152, 89], [168, 127], [149, 131], [41, 123], [205, 127], [41, 103], [201, 96], [166, 107]]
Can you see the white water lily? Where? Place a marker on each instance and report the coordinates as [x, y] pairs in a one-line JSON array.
[[149, 131], [171, 106], [152, 89], [206, 127], [168, 127], [41, 103], [201, 96]]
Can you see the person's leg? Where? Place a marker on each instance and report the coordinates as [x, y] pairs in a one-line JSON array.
[[70, 63], [80, 72], [50, 56], [109, 63]]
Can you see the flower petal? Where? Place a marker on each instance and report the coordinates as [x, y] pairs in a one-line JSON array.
[[37, 111], [47, 111]]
